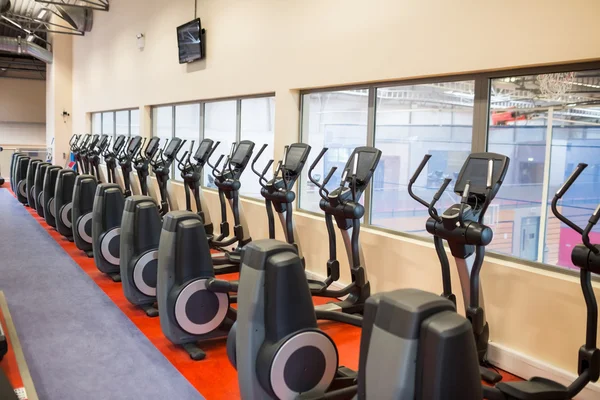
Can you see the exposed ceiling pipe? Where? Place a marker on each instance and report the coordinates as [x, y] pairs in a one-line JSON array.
[[22, 46], [4, 5], [79, 18]]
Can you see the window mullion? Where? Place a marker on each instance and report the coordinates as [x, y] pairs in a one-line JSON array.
[[238, 121], [545, 187], [480, 115], [371, 110]]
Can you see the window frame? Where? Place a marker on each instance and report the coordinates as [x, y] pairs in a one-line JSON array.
[[202, 103], [479, 135]]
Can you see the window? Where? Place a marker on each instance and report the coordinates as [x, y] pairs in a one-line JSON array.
[[412, 121], [546, 124], [220, 124], [122, 123], [116, 122], [134, 122], [257, 125], [108, 123], [96, 123], [162, 123], [225, 121], [337, 120], [546, 120]]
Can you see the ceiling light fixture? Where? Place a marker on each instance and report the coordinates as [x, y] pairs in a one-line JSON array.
[[43, 12]]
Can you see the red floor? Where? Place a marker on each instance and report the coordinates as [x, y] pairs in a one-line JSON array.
[[9, 362], [214, 377]]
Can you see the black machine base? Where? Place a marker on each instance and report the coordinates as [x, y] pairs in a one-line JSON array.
[[89, 253], [195, 352], [343, 387], [150, 310], [226, 269], [116, 277]]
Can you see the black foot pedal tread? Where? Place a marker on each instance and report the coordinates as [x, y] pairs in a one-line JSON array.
[[195, 352], [150, 311], [489, 376], [115, 277]]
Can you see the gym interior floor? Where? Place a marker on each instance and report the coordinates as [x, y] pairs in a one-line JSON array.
[[76, 342]]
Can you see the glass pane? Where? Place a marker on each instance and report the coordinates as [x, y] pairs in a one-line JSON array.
[[219, 125], [135, 122], [108, 123], [187, 126], [122, 123], [524, 112], [96, 123], [412, 121], [162, 122], [337, 120], [258, 121]]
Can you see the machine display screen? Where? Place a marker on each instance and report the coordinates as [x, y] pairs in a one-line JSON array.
[[152, 146], [203, 150], [241, 152], [476, 171], [134, 143], [172, 147], [295, 158], [119, 142]]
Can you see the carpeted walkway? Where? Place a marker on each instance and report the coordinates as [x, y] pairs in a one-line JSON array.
[[77, 343]]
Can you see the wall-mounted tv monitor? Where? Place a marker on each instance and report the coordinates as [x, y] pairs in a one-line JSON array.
[[189, 40]]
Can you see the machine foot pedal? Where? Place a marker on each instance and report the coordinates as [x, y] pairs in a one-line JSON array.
[[115, 277], [489, 376], [195, 352], [70, 238], [89, 253], [150, 310]]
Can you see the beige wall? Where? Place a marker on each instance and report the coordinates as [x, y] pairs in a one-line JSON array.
[[22, 100], [22, 112], [280, 46]]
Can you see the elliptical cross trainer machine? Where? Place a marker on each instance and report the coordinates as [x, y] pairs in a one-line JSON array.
[[441, 359], [228, 183], [108, 208], [343, 205], [191, 173], [83, 200], [462, 227], [140, 233], [278, 192], [194, 306], [63, 196]]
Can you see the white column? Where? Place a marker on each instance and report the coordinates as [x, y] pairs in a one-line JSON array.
[[59, 97]]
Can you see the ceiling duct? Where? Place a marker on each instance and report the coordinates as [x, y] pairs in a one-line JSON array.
[[22, 46], [4, 6], [80, 18]]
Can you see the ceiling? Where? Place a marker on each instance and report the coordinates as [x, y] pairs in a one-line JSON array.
[[31, 20]]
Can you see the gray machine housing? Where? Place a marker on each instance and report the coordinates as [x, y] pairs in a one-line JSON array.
[[33, 164], [83, 201], [63, 202], [38, 187], [49, 188], [185, 272], [106, 221], [140, 234], [20, 175]]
